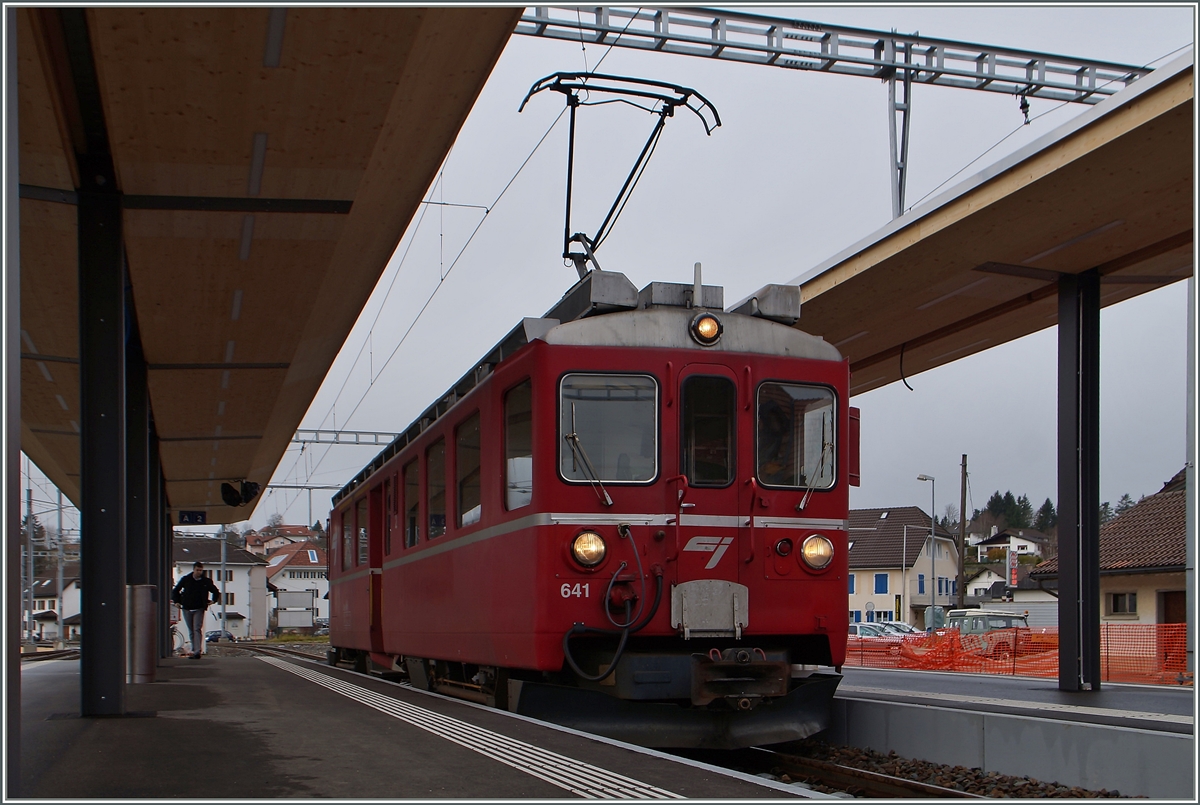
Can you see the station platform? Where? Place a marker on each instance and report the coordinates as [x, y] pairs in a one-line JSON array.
[[1136, 739], [248, 727]]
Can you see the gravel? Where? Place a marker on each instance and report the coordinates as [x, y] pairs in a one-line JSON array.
[[959, 778]]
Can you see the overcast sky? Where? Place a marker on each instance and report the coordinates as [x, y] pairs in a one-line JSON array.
[[798, 171]]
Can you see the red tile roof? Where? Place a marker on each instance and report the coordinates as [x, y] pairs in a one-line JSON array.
[[1150, 536], [295, 555], [877, 536]]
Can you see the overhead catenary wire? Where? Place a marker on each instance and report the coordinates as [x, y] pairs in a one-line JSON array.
[[425, 205], [1023, 124]]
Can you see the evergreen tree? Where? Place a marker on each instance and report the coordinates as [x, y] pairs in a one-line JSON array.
[[1106, 512], [1124, 504], [1047, 517], [995, 504], [1023, 514]]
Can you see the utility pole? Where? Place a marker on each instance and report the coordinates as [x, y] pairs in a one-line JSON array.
[[61, 639], [224, 598], [28, 555], [962, 534]]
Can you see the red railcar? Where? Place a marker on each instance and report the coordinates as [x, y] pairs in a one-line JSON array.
[[630, 518]]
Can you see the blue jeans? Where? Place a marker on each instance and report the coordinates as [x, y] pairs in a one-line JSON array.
[[194, 618]]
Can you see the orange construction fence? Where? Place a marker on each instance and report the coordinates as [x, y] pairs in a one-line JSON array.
[[1129, 652]]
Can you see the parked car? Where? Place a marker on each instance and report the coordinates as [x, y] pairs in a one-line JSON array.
[[898, 628], [1000, 634], [217, 635], [322, 632], [867, 630]]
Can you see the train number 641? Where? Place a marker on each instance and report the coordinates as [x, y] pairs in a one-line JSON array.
[[569, 590]]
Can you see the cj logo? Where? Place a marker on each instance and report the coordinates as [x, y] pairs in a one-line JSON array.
[[714, 545]]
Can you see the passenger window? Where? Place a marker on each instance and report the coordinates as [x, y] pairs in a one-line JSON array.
[[795, 436], [466, 466], [362, 531], [435, 488], [709, 406], [412, 498], [609, 428], [518, 447], [347, 539], [389, 508]]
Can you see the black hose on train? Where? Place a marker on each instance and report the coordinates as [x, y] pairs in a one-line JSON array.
[[579, 628]]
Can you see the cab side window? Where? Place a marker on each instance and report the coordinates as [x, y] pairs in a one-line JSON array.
[[518, 446]]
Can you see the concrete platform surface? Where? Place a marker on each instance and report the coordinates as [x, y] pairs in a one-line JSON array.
[[250, 728]]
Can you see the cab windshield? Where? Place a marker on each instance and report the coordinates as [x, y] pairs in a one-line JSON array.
[[608, 428], [795, 436]]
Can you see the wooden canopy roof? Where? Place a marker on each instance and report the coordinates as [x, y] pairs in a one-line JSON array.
[[270, 160], [978, 266]]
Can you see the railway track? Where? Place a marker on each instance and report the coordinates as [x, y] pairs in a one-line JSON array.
[[824, 774], [65, 654], [860, 782]]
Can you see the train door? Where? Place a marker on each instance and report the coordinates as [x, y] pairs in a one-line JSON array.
[[375, 539], [711, 526]]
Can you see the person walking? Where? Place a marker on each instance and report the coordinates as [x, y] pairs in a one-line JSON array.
[[191, 594]]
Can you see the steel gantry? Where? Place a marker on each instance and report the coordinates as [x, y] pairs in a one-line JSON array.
[[900, 59]]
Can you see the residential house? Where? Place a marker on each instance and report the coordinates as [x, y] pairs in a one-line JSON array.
[[300, 567], [47, 601], [981, 584], [1025, 541], [1143, 556], [892, 574], [245, 604], [272, 538]]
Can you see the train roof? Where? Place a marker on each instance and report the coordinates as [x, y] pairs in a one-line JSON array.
[[605, 309]]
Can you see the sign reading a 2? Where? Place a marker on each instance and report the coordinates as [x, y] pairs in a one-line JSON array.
[[569, 590]]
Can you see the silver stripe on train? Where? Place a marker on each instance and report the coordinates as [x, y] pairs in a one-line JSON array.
[[600, 519], [579, 778]]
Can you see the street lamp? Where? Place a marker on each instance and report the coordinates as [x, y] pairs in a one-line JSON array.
[[932, 543]]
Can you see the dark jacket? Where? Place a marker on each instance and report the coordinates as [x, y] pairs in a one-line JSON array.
[[192, 593]]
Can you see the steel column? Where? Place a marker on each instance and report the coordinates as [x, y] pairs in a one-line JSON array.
[[155, 558], [12, 418], [102, 449], [1079, 481], [137, 457]]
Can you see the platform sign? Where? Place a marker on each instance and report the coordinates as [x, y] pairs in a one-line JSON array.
[[295, 618], [1012, 568], [293, 599], [193, 518]]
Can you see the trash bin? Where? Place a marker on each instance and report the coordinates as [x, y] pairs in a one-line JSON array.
[[141, 639]]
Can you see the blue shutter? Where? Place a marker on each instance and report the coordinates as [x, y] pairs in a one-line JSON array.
[[921, 583]]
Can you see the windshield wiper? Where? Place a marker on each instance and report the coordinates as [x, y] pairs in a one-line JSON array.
[[825, 445], [580, 455]]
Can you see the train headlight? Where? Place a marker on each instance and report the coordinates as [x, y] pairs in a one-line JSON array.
[[589, 548], [817, 552], [706, 329]]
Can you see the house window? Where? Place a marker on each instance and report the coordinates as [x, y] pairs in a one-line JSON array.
[[312, 557], [881, 583], [851, 584], [1122, 603], [921, 584], [228, 599]]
